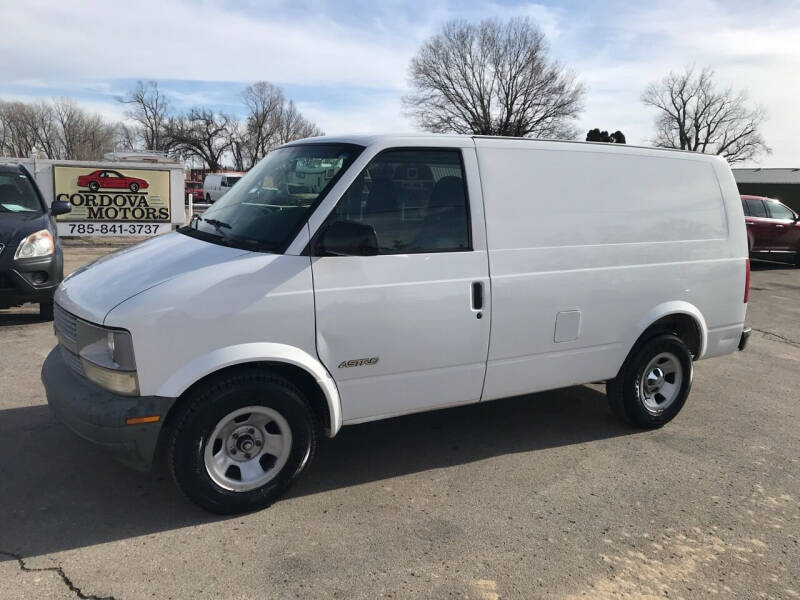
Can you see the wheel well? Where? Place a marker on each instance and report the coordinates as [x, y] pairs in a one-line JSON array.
[[304, 381], [682, 325]]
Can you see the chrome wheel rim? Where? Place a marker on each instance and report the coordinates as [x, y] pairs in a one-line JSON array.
[[660, 383], [248, 448]]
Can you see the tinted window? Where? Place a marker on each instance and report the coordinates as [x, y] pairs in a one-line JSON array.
[[268, 205], [779, 211], [17, 194], [745, 208], [415, 200], [756, 207]]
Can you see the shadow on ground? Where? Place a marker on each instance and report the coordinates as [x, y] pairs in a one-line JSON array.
[[13, 317], [61, 493], [768, 265]]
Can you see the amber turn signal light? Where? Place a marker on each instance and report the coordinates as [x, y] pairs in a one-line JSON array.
[[140, 420]]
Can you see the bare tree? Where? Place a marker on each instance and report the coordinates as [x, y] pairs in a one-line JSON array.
[[149, 109], [62, 129], [71, 122], [17, 138], [694, 114], [271, 120], [126, 135], [493, 78], [240, 146], [202, 134], [264, 103], [292, 125], [41, 127]]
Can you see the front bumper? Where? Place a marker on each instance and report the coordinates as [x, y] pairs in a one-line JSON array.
[[99, 416], [29, 280]]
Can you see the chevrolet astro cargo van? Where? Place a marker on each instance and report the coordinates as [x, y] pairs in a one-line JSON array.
[[350, 279]]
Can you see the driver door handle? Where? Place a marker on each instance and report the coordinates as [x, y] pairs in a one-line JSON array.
[[477, 295]]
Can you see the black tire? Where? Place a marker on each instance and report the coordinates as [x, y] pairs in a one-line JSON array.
[[209, 406], [46, 311], [94, 186], [208, 198], [625, 391], [134, 187]]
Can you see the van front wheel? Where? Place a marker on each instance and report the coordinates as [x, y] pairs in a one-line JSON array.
[[239, 442], [653, 384]]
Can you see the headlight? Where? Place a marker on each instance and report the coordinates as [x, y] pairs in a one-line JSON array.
[[36, 245], [107, 358]]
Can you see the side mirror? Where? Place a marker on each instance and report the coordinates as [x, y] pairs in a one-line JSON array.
[[60, 207], [347, 238]]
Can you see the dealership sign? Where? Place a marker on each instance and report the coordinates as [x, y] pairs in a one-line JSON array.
[[112, 201]]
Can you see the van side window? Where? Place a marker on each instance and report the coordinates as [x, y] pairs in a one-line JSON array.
[[779, 211], [415, 200], [756, 208]]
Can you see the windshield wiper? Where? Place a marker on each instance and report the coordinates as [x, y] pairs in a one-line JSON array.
[[216, 223]]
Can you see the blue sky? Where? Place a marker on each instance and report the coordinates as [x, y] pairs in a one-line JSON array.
[[345, 62]]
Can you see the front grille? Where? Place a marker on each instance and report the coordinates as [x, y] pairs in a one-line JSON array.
[[72, 360], [66, 326]]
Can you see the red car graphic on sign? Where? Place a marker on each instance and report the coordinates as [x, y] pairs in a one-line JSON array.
[[111, 180]]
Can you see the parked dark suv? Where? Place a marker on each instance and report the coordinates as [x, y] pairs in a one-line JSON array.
[[773, 229], [31, 266]]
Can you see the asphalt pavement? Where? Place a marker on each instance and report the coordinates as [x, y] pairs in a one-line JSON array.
[[542, 496]]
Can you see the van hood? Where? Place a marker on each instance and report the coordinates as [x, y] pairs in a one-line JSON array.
[[16, 225], [93, 290]]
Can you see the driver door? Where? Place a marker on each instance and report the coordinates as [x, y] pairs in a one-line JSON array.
[[407, 329]]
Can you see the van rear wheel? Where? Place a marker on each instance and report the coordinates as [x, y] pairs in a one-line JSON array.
[[239, 442], [654, 382]]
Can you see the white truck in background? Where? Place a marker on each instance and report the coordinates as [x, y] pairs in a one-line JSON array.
[[216, 185]]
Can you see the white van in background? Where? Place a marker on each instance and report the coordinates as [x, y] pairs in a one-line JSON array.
[[215, 185], [349, 279]]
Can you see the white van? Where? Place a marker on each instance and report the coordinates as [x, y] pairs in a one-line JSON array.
[[215, 185], [350, 279]]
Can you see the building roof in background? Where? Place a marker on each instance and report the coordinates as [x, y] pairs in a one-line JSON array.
[[767, 175]]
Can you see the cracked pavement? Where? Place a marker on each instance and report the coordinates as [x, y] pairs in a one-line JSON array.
[[545, 496]]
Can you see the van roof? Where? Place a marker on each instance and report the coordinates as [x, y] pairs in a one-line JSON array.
[[461, 140]]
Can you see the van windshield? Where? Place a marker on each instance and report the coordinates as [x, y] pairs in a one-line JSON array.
[[269, 204], [17, 194]]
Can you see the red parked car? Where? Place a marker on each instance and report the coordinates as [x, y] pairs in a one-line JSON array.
[[773, 229], [195, 188], [106, 179]]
